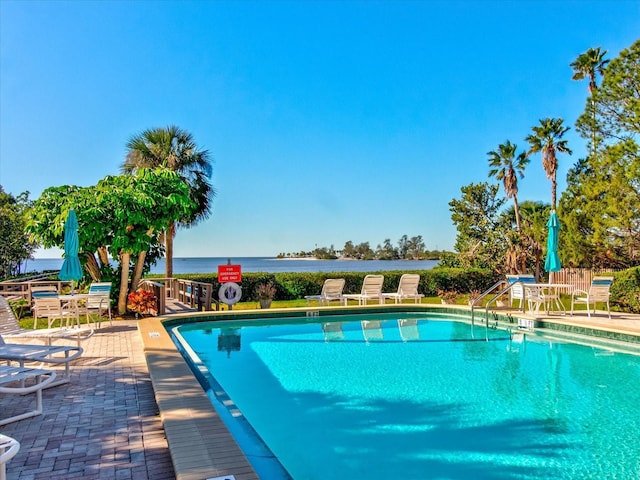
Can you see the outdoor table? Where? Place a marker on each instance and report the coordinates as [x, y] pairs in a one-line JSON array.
[[71, 302], [546, 293]]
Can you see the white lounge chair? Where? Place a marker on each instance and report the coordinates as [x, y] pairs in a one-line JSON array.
[[407, 288], [22, 381], [10, 328], [8, 449], [51, 354], [371, 290], [331, 291], [599, 291]]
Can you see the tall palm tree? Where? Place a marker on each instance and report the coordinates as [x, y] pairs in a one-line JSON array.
[[547, 139], [175, 149], [506, 165], [588, 65]]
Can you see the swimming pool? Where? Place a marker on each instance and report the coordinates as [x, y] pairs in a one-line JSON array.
[[417, 396]]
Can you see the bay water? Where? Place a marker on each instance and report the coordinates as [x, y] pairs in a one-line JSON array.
[[260, 264]]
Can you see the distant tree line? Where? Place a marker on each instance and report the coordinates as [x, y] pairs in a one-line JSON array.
[[407, 249]]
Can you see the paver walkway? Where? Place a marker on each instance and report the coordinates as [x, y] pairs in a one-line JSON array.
[[103, 425]]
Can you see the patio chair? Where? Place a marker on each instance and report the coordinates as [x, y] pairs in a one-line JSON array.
[[98, 301], [53, 309], [10, 328], [518, 292], [371, 290], [407, 288], [51, 354], [9, 447], [599, 291], [331, 291], [44, 291], [22, 381]]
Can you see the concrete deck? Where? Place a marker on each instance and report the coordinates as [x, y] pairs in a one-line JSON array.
[[106, 423]]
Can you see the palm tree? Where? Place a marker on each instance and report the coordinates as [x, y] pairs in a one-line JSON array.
[[506, 166], [174, 148], [547, 139], [588, 65]]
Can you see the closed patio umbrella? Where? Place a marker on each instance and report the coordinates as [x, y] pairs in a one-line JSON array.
[[71, 268], [552, 260]]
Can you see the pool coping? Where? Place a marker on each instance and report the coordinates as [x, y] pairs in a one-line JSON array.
[[202, 447]]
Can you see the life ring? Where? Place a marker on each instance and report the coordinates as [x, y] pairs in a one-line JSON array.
[[230, 293]]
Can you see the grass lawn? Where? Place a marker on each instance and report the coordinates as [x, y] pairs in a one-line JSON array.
[[27, 321]]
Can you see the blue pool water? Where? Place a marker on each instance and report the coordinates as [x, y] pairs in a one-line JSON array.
[[419, 397]]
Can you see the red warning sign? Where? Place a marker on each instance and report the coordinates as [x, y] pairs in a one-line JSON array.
[[229, 273]]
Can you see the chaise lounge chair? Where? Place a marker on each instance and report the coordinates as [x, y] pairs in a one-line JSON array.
[[9, 447], [53, 354], [599, 291], [331, 291], [14, 380], [10, 328], [371, 290], [407, 288]]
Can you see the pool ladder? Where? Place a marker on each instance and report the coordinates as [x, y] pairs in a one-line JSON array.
[[477, 303]]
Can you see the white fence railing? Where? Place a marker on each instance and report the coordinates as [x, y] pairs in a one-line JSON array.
[[579, 277]]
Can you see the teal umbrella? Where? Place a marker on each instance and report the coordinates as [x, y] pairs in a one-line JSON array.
[[552, 261], [71, 268]]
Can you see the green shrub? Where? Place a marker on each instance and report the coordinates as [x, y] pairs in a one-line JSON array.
[[295, 285], [625, 290]]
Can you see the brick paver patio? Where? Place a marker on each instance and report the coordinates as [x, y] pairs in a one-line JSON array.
[[103, 425]]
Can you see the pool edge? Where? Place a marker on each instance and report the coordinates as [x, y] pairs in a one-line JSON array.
[[200, 444]]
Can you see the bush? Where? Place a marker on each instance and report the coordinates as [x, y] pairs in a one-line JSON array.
[[625, 290], [295, 285]]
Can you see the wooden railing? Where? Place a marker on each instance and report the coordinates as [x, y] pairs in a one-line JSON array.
[[198, 295], [159, 291], [21, 289]]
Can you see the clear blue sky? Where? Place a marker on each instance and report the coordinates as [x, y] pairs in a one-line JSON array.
[[327, 121]]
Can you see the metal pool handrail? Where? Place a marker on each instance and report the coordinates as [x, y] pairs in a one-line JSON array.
[[491, 289]]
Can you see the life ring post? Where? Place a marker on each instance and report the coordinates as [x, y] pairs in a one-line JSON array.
[[230, 293]]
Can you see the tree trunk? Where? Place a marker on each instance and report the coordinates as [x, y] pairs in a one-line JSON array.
[[516, 210], [124, 283], [168, 247], [137, 272]]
